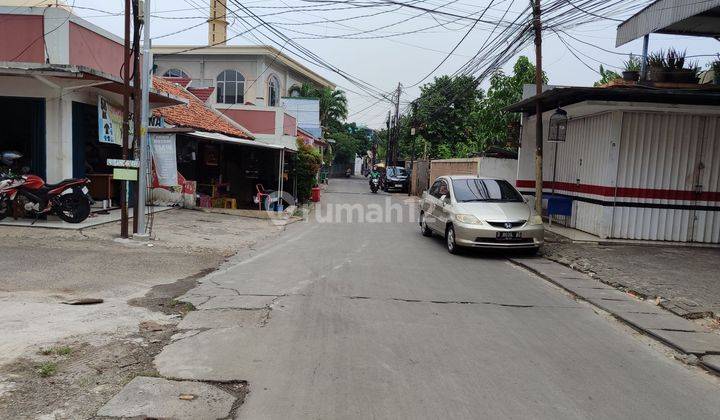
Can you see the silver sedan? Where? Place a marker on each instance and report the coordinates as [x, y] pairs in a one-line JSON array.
[[477, 212]]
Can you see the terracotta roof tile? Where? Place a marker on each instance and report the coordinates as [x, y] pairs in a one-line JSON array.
[[182, 81], [195, 114], [202, 93]]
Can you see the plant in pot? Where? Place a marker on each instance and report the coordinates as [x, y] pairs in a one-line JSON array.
[[632, 69], [715, 67], [657, 65], [675, 66]]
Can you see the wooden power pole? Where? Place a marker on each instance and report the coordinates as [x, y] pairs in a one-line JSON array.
[[125, 124], [137, 104], [537, 26]]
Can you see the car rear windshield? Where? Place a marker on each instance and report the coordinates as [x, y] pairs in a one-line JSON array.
[[497, 190]]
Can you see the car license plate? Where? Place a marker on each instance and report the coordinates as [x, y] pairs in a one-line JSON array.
[[508, 236], [399, 185]]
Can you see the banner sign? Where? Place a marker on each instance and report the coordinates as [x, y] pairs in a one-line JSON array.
[[110, 123], [165, 158]]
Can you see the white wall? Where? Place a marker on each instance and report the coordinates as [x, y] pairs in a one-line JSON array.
[[204, 70], [499, 168]]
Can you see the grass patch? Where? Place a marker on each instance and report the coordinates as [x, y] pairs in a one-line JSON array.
[[47, 369], [60, 351], [63, 351], [182, 307]]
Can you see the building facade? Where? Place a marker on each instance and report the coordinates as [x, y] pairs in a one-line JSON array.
[[636, 163], [246, 83]]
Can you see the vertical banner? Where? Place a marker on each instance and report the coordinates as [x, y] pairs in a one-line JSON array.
[[110, 123], [165, 158]]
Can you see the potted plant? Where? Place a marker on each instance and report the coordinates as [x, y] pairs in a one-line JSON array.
[[715, 67], [657, 64], [632, 69]]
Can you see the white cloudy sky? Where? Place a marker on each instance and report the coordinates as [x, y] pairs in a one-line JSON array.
[[386, 54]]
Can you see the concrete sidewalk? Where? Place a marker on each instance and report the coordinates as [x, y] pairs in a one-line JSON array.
[[645, 316], [683, 279]]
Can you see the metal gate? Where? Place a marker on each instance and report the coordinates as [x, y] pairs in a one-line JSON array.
[[706, 207]]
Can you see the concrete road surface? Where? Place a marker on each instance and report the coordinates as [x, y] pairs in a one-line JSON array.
[[374, 321]]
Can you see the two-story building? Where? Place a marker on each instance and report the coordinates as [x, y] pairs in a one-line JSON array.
[[59, 75], [246, 83]]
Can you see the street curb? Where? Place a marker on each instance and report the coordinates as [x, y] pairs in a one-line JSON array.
[[665, 304], [712, 364]]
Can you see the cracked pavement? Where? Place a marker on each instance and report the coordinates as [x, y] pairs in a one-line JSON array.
[[346, 321]]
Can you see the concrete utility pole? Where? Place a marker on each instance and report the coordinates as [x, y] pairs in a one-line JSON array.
[[537, 25], [396, 137], [144, 118], [137, 105], [126, 124]]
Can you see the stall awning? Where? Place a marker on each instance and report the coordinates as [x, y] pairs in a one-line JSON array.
[[234, 140], [76, 77], [677, 17]]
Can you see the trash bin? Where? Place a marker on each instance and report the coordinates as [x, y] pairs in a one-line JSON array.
[[315, 194]]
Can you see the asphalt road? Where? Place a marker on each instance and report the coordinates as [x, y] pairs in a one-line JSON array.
[[372, 320]]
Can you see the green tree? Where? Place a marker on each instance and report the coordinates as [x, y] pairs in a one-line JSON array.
[[345, 148], [504, 91], [333, 103], [306, 166], [606, 76], [447, 114]]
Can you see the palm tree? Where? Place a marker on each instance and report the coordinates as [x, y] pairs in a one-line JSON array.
[[333, 102]]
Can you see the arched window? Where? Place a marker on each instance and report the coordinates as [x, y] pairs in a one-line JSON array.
[[273, 95], [230, 87], [176, 73]]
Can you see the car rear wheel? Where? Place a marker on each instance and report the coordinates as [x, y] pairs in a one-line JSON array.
[[452, 246], [424, 229]]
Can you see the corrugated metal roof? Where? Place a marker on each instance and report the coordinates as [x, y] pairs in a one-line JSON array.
[[560, 97], [679, 17]]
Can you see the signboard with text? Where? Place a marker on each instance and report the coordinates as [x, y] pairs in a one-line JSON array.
[[110, 122], [165, 158]]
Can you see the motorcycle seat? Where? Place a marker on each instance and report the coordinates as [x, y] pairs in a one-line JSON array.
[[63, 182]]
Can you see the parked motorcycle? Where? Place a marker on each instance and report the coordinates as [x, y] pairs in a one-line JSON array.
[[69, 199]]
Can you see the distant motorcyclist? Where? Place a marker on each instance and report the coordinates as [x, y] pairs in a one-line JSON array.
[[375, 179]]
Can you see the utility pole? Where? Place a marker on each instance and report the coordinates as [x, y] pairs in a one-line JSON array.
[[537, 25], [396, 139], [126, 124], [387, 145], [144, 144], [412, 144], [137, 105]]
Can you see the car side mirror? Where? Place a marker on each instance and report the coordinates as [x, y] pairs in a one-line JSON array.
[[445, 199]]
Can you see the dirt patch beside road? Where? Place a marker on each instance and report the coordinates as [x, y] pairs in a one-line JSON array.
[[64, 361]]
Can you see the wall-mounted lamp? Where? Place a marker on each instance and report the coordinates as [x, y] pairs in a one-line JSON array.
[[558, 126]]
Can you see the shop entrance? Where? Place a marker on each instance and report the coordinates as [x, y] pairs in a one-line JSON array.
[[23, 130], [90, 155]]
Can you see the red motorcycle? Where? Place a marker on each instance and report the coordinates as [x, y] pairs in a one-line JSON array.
[[69, 199]]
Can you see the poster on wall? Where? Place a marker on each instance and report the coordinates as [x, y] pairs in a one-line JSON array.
[[110, 122], [164, 156]]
